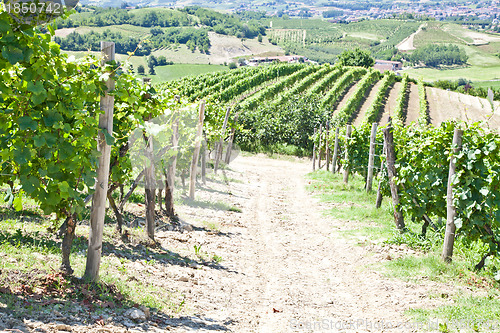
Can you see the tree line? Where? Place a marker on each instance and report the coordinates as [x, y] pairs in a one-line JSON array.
[[226, 24], [193, 38], [102, 17], [434, 55]]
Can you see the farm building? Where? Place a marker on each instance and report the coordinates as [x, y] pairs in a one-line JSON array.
[[386, 65]]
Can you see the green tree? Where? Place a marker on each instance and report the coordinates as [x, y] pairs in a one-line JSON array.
[[162, 61], [434, 55], [356, 57], [140, 69], [152, 61]]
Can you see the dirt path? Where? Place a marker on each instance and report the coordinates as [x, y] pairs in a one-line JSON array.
[[284, 264], [413, 110], [367, 103], [390, 104], [407, 43], [281, 264]]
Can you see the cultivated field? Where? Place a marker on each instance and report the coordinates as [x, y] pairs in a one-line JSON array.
[[351, 98]]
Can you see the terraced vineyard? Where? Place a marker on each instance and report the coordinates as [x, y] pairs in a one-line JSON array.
[[347, 95]]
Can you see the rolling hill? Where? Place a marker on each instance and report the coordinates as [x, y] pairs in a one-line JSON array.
[[341, 90], [317, 39], [482, 48]]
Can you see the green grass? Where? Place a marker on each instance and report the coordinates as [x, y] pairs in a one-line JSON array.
[[474, 73], [467, 314], [479, 58], [353, 206], [487, 84], [217, 205], [35, 248], [214, 226], [365, 35], [163, 73], [457, 30], [352, 203], [490, 48], [177, 71], [429, 266], [483, 63], [434, 33]]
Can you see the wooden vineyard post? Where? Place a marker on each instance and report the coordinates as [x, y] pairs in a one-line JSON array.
[[172, 166], [451, 213], [314, 151], [221, 142], [391, 170], [320, 145], [335, 151], [98, 210], [150, 188], [194, 162], [204, 160], [346, 167], [371, 158], [150, 182], [378, 204], [327, 145]]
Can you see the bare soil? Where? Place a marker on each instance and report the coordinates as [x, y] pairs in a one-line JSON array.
[[390, 104], [445, 105], [346, 96], [413, 110], [407, 43], [367, 103], [285, 263], [227, 48], [64, 32]]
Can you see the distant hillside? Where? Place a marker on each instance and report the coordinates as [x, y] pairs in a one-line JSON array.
[[164, 28], [322, 41], [482, 49], [203, 36]]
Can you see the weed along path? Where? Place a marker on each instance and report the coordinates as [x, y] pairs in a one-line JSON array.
[[285, 266]]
